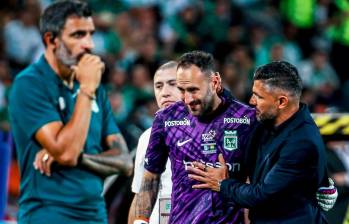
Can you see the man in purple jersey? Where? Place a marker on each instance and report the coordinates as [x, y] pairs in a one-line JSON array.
[[202, 126]]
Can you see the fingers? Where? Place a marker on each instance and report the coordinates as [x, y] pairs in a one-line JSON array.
[[199, 165], [200, 186], [331, 182], [47, 167], [43, 162], [198, 178], [221, 159], [38, 161], [198, 171]]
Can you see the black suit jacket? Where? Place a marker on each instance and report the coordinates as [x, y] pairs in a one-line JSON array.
[[285, 180]]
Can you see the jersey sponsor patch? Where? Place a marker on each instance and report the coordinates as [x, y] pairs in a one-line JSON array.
[[208, 148], [181, 143], [233, 167], [230, 141], [237, 120], [184, 122], [208, 143]]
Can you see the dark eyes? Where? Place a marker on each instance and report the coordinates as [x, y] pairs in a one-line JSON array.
[[81, 34]]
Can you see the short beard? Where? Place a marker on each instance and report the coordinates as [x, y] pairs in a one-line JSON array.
[[207, 103], [268, 120], [65, 56]]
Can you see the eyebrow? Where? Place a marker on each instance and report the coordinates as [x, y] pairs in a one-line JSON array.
[[171, 80], [168, 81], [253, 92], [158, 82], [82, 32]]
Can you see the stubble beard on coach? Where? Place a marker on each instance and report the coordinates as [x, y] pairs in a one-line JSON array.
[[266, 118], [66, 57]]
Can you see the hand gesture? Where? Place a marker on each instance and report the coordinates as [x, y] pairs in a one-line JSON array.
[[88, 72], [209, 176], [43, 161]]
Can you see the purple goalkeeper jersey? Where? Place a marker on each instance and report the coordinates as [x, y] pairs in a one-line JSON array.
[[185, 138]]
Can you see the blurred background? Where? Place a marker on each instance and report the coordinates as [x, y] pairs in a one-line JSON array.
[[134, 37]]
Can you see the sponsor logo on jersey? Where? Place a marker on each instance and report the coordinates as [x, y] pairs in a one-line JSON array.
[[184, 122], [237, 120], [230, 141], [181, 143], [208, 143], [233, 167], [208, 148], [208, 137]]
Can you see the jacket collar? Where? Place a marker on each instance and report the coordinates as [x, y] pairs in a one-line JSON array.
[[281, 132]]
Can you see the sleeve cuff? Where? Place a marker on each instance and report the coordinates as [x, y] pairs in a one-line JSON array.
[[226, 189]]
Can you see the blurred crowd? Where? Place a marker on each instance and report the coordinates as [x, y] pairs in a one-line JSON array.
[[134, 37]]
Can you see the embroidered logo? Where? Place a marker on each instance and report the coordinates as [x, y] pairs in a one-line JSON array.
[[179, 143], [184, 122], [237, 120], [230, 141]]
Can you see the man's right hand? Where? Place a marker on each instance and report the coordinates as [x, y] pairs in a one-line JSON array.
[[88, 72]]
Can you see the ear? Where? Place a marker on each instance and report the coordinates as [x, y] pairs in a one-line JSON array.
[[49, 39], [216, 82], [282, 101]]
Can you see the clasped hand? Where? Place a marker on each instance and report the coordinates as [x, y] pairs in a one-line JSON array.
[[210, 177]]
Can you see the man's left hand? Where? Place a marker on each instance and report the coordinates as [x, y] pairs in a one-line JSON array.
[[43, 161], [209, 176]]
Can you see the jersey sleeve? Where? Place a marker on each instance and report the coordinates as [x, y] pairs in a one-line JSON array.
[[139, 161], [157, 152], [30, 106]]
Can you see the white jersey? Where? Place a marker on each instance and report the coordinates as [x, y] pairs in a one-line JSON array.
[[165, 180]]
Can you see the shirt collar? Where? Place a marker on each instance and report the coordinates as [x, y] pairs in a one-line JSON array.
[[280, 127], [47, 71]]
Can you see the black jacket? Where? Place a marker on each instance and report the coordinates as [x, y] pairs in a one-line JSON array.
[[284, 180]]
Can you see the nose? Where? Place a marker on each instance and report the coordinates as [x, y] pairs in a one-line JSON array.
[[188, 98], [88, 43], [165, 91], [253, 100]]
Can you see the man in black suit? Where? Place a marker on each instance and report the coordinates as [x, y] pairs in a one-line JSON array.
[[285, 160]]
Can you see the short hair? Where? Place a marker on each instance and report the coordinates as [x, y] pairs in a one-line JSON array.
[[167, 65], [282, 75], [204, 61], [55, 15]]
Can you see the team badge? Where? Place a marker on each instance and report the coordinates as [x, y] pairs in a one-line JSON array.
[[230, 142], [61, 103]]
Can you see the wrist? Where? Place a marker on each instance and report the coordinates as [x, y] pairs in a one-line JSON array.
[[80, 158], [141, 221], [88, 93], [90, 89], [219, 185]]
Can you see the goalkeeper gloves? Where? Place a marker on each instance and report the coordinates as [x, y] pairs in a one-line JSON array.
[[326, 196]]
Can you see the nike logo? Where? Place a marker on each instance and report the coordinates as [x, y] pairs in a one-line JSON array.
[[184, 142]]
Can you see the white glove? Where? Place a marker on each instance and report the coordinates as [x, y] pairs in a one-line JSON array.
[[326, 196]]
